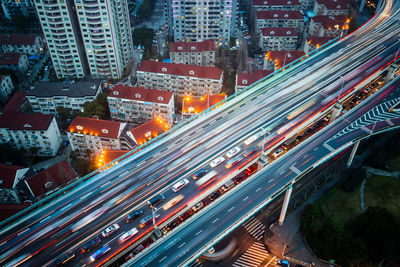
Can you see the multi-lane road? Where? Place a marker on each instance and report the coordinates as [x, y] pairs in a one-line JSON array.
[[280, 105]]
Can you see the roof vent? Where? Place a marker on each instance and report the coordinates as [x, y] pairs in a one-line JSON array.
[[164, 69], [27, 125], [93, 87], [137, 95], [286, 15], [272, 32], [265, 2], [275, 15], [289, 2], [244, 81], [288, 32], [179, 47], [105, 131], [79, 127], [115, 92], [191, 72], [160, 98], [193, 48], [48, 184], [147, 134]]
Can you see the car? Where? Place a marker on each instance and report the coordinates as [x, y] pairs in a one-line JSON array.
[[233, 161], [198, 206], [179, 185], [217, 161], [199, 173], [214, 195], [228, 185], [65, 143], [133, 215], [283, 262], [248, 152], [63, 259], [88, 246], [138, 249], [147, 220], [99, 253], [155, 200], [46, 68], [277, 152], [233, 152], [110, 230], [127, 235], [251, 169]]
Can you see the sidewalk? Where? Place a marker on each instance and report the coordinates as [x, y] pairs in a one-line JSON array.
[[287, 241]]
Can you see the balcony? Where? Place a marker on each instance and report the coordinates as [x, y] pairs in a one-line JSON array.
[[90, 2], [100, 52], [50, 2], [97, 36], [95, 26], [56, 14], [94, 14]]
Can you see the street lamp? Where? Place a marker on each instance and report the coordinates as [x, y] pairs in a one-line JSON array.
[[341, 87], [265, 133], [154, 218]]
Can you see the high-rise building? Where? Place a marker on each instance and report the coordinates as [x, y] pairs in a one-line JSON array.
[[87, 36], [11, 8], [196, 21]]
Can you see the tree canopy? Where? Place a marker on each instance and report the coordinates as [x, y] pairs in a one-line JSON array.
[[98, 107]]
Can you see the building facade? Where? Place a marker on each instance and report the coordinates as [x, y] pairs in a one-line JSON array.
[[286, 5], [278, 39], [46, 97], [6, 87], [193, 53], [90, 136], [11, 8], [196, 21], [332, 7], [132, 104], [14, 61], [287, 19], [37, 133], [275, 60], [87, 36], [328, 26], [21, 43], [179, 78]]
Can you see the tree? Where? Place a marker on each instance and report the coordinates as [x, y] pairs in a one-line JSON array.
[[63, 113], [232, 41], [98, 107], [8, 153], [34, 150]]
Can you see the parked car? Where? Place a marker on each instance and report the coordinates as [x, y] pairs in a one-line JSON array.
[[198, 206]]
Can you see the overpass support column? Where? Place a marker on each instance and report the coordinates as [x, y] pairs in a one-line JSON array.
[[391, 70], [362, 6], [337, 108], [285, 204], [352, 154]]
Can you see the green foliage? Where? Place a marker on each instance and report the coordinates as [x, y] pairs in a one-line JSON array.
[[82, 167], [98, 107], [64, 113], [232, 41], [353, 25], [8, 153], [146, 8], [353, 180], [143, 36]]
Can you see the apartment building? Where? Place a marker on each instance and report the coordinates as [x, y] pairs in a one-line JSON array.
[[193, 53], [278, 39], [21, 43], [245, 79], [11, 8], [14, 61], [146, 131], [328, 26], [179, 78], [196, 21], [37, 133], [6, 87], [275, 60], [131, 104], [284, 5], [278, 18], [332, 7], [90, 136], [315, 42], [87, 36], [46, 97], [195, 105]]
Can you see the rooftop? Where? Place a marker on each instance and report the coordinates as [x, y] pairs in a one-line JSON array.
[[50, 178], [111, 155], [329, 22], [9, 58], [8, 174], [207, 45], [70, 89], [25, 121], [181, 69], [8, 210], [14, 104], [17, 39], [196, 105], [147, 131], [141, 94], [278, 31], [279, 14], [93, 126], [245, 79], [282, 58], [334, 4], [276, 3]]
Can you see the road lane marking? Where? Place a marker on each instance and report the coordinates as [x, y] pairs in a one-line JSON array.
[[199, 232], [215, 220], [295, 170], [141, 163], [20, 233], [331, 149], [244, 199], [66, 207], [162, 259], [45, 219], [231, 209], [113, 239], [258, 189], [181, 245], [389, 122]]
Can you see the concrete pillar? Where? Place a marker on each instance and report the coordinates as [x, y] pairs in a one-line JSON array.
[[337, 108], [362, 6], [285, 204], [352, 154], [391, 71], [262, 160]]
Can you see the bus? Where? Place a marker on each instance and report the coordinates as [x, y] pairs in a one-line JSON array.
[[207, 179], [173, 202]]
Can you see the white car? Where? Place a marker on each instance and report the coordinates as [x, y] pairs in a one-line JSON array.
[[217, 161], [252, 138], [127, 235], [179, 185], [277, 152], [110, 230], [233, 152]]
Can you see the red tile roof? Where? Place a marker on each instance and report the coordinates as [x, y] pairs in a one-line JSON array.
[[93, 126], [17, 39], [14, 104], [318, 41], [181, 69], [196, 105], [8, 210], [8, 174], [110, 155], [278, 31], [147, 131], [252, 77], [276, 3], [283, 57], [328, 22], [279, 14], [9, 58], [207, 45], [25, 121], [334, 4], [51, 178], [141, 94]]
